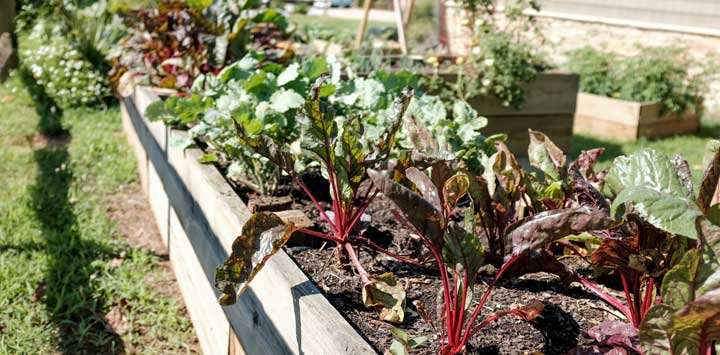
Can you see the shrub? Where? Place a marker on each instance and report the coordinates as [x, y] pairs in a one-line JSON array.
[[64, 73], [660, 74]]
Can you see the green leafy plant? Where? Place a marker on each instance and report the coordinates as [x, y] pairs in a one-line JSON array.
[[334, 142], [403, 343], [502, 56], [457, 250], [660, 74], [667, 265]]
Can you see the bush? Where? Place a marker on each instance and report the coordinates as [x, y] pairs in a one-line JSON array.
[[659, 74], [302, 9], [62, 71]]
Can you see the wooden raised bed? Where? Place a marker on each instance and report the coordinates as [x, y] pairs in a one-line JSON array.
[[621, 120], [199, 216], [549, 107]]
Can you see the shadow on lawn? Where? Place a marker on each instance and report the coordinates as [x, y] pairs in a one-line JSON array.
[[70, 296]]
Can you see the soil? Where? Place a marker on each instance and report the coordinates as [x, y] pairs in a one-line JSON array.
[[569, 311]]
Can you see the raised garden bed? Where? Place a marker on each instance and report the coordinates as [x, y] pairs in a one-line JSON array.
[[199, 215], [549, 107], [284, 311], [622, 120]]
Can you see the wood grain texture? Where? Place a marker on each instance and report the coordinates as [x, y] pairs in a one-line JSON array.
[[622, 120]]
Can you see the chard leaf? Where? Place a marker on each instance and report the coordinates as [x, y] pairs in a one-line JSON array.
[[289, 74], [388, 295], [418, 211], [318, 123], [545, 155], [453, 190], [315, 67], [709, 182], [655, 337], [284, 100], [262, 236], [269, 149], [426, 187], [349, 157], [649, 180], [668, 212], [462, 252], [396, 112], [546, 227]]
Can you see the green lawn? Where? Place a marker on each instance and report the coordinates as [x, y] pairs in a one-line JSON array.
[[60, 275]]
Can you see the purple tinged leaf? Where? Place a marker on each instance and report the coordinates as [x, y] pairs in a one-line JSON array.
[[543, 228], [683, 172], [453, 190], [709, 183], [262, 236], [615, 333], [586, 161], [419, 212], [426, 187]]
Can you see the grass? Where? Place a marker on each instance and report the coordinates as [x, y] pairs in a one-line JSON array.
[[339, 29], [60, 279], [691, 147]]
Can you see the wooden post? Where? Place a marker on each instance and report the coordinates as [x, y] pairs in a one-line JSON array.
[[400, 26], [8, 56], [363, 24], [407, 13]]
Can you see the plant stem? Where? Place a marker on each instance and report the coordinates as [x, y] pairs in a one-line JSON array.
[[404, 259], [317, 205], [364, 276], [319, 234], [606, 297], [485, 297]]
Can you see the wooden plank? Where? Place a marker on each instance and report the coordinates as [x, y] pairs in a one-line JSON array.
[[604, 129], [664, 128], [140, 156], [211, 215], [623, 120], [211, 325], [549, 93], [159, 203], [234, 348], [607, 108], [281, 290]]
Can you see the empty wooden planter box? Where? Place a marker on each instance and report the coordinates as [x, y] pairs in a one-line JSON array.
[[549, 107], [622, 120], [199, 216]]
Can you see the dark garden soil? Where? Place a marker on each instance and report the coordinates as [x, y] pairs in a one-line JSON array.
[[569, 311]]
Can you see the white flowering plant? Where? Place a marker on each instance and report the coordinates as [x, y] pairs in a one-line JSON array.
[[63, 72]]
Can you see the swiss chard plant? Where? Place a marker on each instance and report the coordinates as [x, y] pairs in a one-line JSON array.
[[505, 196], [432, 214], [667, 263], [334, 142]]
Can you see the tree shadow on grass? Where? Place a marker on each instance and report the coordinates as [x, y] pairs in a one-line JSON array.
[[71, 298]]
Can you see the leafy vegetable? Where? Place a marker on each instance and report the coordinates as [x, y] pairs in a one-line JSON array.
[[262, 236]]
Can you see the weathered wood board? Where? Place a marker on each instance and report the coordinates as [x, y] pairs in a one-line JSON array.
[[199, 216], [621, 120], [549, 107]]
